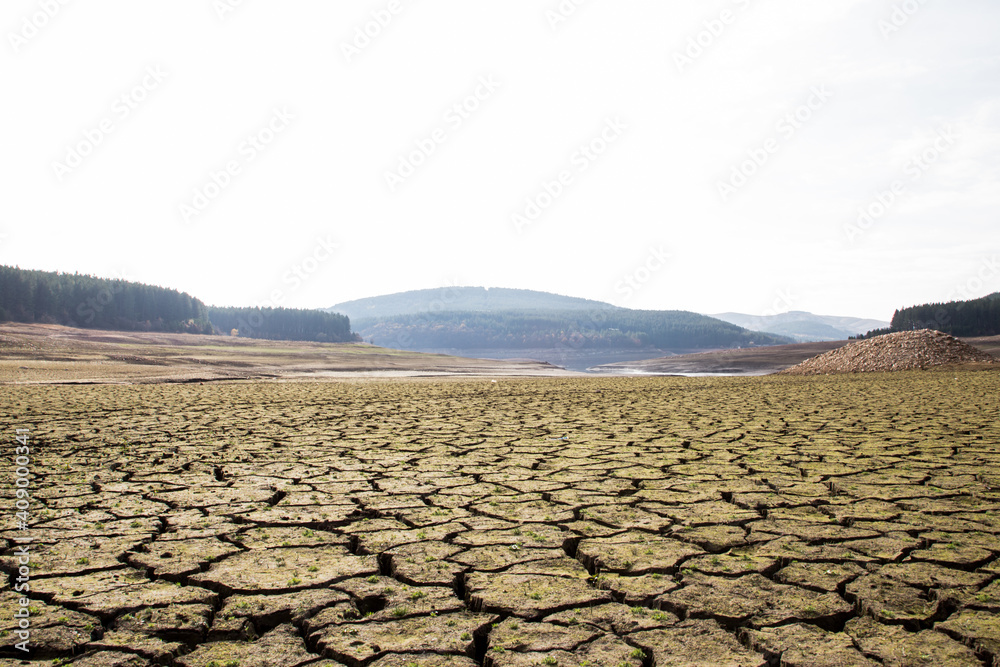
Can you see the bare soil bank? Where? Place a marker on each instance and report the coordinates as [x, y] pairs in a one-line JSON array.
[[750, 361], [39, 353], [753, 361], [51, 354]]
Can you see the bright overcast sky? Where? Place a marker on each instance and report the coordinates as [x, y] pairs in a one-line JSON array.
[[698, 155]]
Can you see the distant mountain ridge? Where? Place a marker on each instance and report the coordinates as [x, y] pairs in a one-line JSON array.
[[804, 327], [472, 299], [497, 321]]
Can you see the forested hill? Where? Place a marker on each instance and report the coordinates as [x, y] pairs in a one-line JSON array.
[[97, 303], [976, 317], [283, 324], [606, 328], [462, 299]]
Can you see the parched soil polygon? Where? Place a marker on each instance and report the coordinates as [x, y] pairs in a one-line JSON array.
[[723, 522]]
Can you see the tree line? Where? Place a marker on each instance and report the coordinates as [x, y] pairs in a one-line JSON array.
[[283, 324], [969, 319], [87, 302], [97, 303]]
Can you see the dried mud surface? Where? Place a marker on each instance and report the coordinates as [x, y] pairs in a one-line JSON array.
[[622, 522]]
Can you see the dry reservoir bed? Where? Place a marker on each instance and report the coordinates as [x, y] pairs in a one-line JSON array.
[[619, 522]]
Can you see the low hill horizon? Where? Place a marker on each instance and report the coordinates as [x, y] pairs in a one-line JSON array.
[[804, 327], [567, 331], [473, 299]]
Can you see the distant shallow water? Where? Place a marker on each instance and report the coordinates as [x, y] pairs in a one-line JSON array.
[[635, 371], [588, 361], [572, 360]]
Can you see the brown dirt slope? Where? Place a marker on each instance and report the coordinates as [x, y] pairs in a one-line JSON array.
[[749, 360], [989, 344], [52, 354], [903, 351]]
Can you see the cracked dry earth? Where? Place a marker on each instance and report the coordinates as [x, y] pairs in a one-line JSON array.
[[603, 522]]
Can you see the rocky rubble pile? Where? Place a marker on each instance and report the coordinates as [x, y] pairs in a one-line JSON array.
[[903, 351]]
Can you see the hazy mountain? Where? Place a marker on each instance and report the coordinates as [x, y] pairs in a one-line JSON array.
[[472, 299], [571, 332], [804, 327], [615, 328]]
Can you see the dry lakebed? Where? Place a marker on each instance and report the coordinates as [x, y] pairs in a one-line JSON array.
[[797, 521]]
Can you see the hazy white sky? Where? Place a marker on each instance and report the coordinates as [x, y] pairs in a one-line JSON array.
[[698, 155]]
